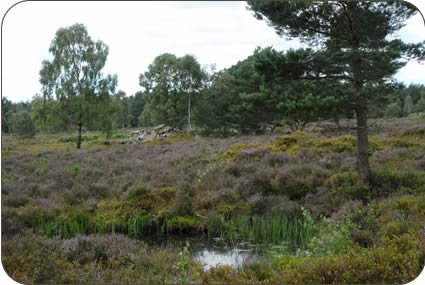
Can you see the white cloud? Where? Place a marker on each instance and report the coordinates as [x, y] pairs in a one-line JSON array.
[[136, 32]]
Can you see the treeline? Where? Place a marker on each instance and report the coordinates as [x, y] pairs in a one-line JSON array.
[[245, 98], [45, 114], [404, 102]]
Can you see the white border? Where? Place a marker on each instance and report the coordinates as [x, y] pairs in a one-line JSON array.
[[6, 280]]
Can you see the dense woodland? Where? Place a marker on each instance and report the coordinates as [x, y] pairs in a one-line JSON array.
[[317, 154]]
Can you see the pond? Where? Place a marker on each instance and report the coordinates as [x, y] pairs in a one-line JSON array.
[[212, 254], [215, 252]]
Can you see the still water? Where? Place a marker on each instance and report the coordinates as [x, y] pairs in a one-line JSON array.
[[212, 255], [215, 252]]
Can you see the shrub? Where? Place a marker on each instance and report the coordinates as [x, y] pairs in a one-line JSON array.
[[421, 162], [184, 199], [102, 248], [232, 151], [183, 224], [30, 260], [277, 159], [396, 262], [332, 238], [345, 185], [334, 144], [276, 205], [296, 181], [250, 154], [22, 124], [285, 143], [84, 138], [387, 181], [394, 110], [258, 183]]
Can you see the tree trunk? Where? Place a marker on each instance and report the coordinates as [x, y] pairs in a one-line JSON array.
[[360, 109], [189, 124], [79, 135], [362, 141]]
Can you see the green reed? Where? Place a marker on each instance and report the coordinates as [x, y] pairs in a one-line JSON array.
[[275, 229], [262, 229]]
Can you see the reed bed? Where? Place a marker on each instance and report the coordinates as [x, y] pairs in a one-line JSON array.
[[262, 229], [273, 229]]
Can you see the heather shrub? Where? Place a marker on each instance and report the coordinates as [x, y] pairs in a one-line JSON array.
[[346, 185], [298, 180], [417, 132], [281, 205], [420, 162], [257, 183], [322, 202], [184, 199], [15, 200], [277, 159], [396, 262], [334, 144], [102, 248], [31, 260], [387, 181], [286, 143], [250, 154], [99, 189], [137, 189]]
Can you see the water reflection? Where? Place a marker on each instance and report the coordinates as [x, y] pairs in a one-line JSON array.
[[217, 251], [234, 257]]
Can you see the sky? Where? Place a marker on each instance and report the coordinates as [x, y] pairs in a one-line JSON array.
[[220, 33]]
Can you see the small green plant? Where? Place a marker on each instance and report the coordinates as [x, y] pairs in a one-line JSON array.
[[332, 238], [73, 169], [41, 166], [73, 139], [183, 264]]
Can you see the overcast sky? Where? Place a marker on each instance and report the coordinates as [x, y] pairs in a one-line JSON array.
[[220, 33]]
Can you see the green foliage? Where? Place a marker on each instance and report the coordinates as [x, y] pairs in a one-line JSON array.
[[40, 166], [332, 238], [47, 115], [183, 264], [408, 105], [74, 76], [345, 184], [298, 181], [339, 32], [31, 261], [94, 259], [6, 111], [171, 85], [184, 199], [135, 108], [420, 105], [263, 229], [389, 181], [21, 124], [397, 262], [335, 144], [182, 224], [84, 138], [394, 110]]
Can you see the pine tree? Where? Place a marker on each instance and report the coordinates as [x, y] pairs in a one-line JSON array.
[[352, 44]]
